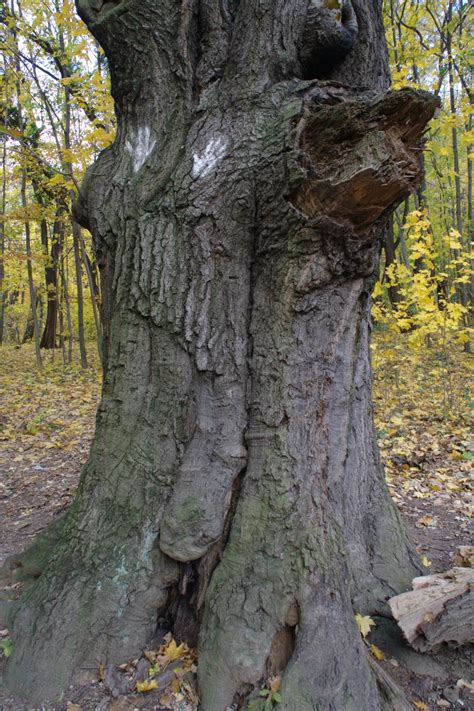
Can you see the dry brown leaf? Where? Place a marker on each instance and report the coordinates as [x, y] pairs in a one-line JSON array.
[[274, 683], [175, 685]]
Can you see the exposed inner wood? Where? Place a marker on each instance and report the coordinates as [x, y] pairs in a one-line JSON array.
[[439, 609]]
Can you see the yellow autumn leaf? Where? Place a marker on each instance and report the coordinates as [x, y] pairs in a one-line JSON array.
[[377, 291], [364, 623], [101, 672], [57, 179], [427, 520], [147, 685], [173, 651], [68, 155], [378, 654], [426, 561], [420, 705]]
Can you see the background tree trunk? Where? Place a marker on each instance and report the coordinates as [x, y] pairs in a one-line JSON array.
[[3, 292], [234, 490], [49, 338]]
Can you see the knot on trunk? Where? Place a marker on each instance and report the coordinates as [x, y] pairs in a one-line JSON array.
[[329, 34], [361, 158]]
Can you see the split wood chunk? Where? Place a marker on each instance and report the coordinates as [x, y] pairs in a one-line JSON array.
[[440, 608]]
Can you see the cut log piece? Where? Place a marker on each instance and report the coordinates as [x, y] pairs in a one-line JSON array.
[[440, 608]]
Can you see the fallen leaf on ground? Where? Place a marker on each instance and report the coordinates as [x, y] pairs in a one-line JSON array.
[[364, 623], [378, 654], [147, 685]]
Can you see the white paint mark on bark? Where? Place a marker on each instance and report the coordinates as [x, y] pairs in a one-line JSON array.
[[147, 545], [205, 162], [121, 571], [139, 146]]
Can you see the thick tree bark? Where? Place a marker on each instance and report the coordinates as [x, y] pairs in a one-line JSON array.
[[234, 488]]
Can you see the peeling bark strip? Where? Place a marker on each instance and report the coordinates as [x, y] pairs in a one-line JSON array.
[[234, 488]]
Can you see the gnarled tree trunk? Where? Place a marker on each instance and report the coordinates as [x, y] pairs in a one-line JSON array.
[[234, 488]]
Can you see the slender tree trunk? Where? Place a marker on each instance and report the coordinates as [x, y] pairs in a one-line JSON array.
[[66, 71], [391, 258], [24, 204], [29, 267], [470, 177], [94, 292], [49, 337], [76, 239], [67, 303], [234, 488], [462, 288], [454, 133], [3, 293], [401, 221]]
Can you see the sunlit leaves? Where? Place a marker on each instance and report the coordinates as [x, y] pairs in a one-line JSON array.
[[432, 267], [428, 300]]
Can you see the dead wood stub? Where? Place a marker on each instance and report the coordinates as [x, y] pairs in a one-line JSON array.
[[362, 158], [439, 609]]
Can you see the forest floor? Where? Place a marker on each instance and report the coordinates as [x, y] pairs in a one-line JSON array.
[[422, 415]]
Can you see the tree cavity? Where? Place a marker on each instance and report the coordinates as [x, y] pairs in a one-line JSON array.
[[329, 34]]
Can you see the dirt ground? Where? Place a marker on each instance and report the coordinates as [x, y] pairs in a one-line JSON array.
[[46, 426]]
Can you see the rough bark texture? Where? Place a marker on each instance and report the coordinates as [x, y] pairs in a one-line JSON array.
[[234, 485]]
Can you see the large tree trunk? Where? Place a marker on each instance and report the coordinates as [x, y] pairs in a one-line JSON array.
[[234, 488]]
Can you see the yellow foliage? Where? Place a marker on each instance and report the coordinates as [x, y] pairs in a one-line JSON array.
[[377, 653], [364, 623], [425, 309], [147, 685]]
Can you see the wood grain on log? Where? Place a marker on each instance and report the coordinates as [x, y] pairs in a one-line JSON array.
[[439, 609]]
